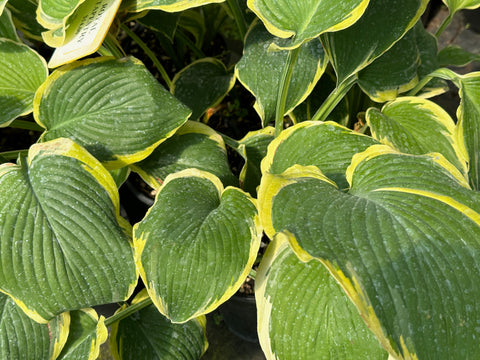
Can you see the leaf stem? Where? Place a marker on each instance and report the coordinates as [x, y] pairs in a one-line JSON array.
[[111, 47], [26, 125], [444, 25], [234, 144], [239, 17], [129, 310], [11, 155], [190, 44], [334, 98], [283, 89], [149, 53]]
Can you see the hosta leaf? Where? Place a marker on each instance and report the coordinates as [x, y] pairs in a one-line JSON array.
[[161, 21], [394, 72], [147, 334], [87, 333], [303, 20], [52, 14], [456, 5], [194, 145], [120, 175], [22, 338], [418, 126], [468, 118], [24, 15], [304, 314], [328, 146], [7, 29], [197, 243], [403, 242], [83, 33], [22, 71], [166, 5], [2, 6], [260, 71], [202, 84], [117, 110], [253, 148], [63, 244], [370, 38], [453, 55]]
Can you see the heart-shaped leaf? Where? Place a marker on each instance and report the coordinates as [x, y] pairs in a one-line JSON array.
[[87, 333], [24, 339], [325, 145], [63, 243], [304, 314], [202, 84], [7, 29], [403, 242], [194, 145], [116, 109], [303, 20], [22, 71], [418, 126], [258, 70], [370, 37], [197, 243], [148, 334]]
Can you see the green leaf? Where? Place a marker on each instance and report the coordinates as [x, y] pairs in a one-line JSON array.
[[453, 55], [22, 71], [120, 175], [166, 5], [394, 72], [2, 6], [259, 70], [303, 20], [64, 244], [456, 5], [202, 85], [418, 126], [194, 145], [304, 314], [253, 148], [21, 338], [7, 29], [24, 16], [325, 145], [403, 243], [87, 333], [197, 243], [53, 14], [117, 110], [468, 118], [370, 39], [147, 334], [161, 21]]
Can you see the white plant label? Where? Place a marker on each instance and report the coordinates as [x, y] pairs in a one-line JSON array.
[[91, 27]]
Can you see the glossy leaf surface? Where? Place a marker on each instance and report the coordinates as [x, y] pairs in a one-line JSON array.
[[198, 242], [194, 145], [87, 333], [303, 20], [22, 71], [113, 104], [202, 84], [24, 339], [418, 126], [305, 314], [403, 242], [148, 334], [370, 40], [63, 243], [260, 71]]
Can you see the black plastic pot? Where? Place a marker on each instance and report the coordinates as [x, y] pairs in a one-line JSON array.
[[240, 316]]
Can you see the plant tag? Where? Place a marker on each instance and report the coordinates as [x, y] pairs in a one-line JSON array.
[[91, 24]]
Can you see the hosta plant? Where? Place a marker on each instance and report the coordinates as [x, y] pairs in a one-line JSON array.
[[364, 188]]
